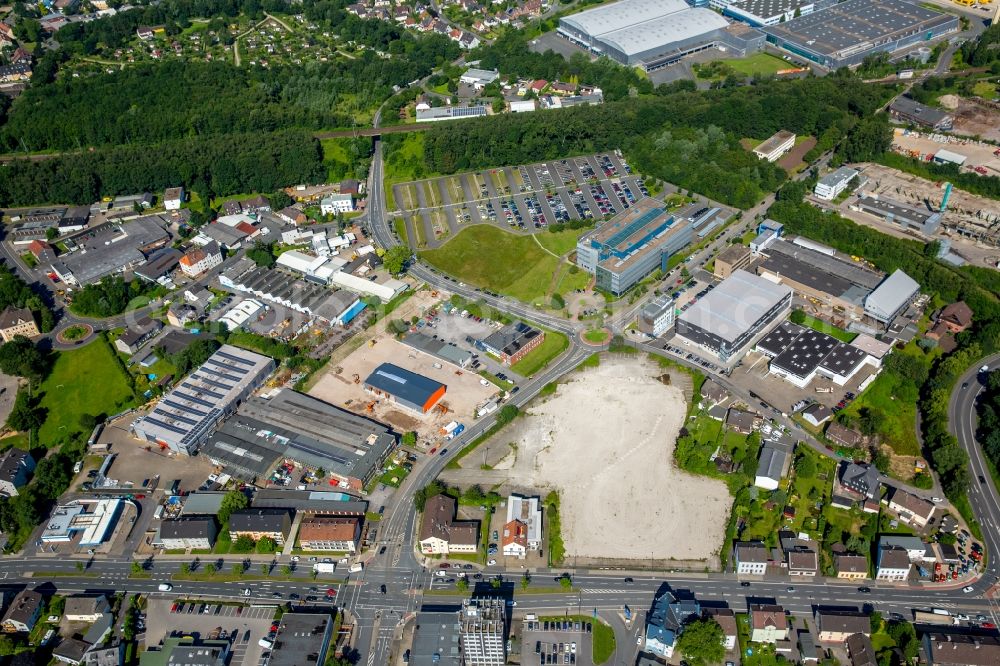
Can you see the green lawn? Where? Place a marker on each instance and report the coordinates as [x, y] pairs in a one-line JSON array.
[[539, 357], [560, 242], [897, 418], [391, 471], [604, 642], [571, 280], [829, 329], [758, 63], [497, 260], [71, 389], [596, 335], [336, 159]]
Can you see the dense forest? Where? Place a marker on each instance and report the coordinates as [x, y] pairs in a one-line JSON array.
[[15, 292], [976, 286], [220, 165], [989, 417], [984, 51], [689, 138]]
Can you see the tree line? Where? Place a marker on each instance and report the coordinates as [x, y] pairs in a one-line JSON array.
[[15, 292], [220, 166]]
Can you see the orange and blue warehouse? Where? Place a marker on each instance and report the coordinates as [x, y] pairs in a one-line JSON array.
[[405, 388]]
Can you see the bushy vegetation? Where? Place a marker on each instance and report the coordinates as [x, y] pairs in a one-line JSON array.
[[109, 297], [15, 292]]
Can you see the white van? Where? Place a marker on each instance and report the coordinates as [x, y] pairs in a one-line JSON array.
[[356, 567], [165, 587]]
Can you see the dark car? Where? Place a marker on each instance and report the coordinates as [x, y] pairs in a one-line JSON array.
[[293, 595], [965, 385], [864, 590], [982, 479], [382, 589], [381, 551], [629, 580], [745, 583]]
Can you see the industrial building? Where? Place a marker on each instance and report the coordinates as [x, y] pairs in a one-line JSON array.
[[832, 184], [302, 638], [657, 316], [310, 502], [891, 297], [93, 519], [405, 388], [630, 246], [768, 12], [919, 219], [513, 342], [437, 637], [907, 110], [777, 145], [846, 33], [799, 354], [654, 33], [188, 532], [725, 322], [438, 348], [294, 426], [183, 419], [437, 114], [836, 286], [108, 249], [484, 631], [732, 258]]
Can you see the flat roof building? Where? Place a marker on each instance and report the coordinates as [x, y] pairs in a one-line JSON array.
[[798, 354], [484, 632], [657, 316], [93, 519], [302, 638], [769, 12], [479, 78], [844, 34], [891, 297], [183, 419], [776, 146], [651, 33], [832, 184], [919, 219], [732, 258], [405, 388], [109, 248], [729, 317], [437, 637], [440, 349], [630, 246], [438, 114], [310, 502]]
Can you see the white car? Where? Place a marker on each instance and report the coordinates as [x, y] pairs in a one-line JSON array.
[[246, 592], [295, 558], [491, 563], [967, 589], [440, 574], [638, 639], [484, 382]]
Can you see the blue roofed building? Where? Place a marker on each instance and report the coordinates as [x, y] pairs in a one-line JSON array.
[[665, 623], [632, 245], [405, 388]]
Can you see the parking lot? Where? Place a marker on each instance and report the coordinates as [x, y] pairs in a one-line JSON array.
[[523, 198], [555, 642], [243, 626]]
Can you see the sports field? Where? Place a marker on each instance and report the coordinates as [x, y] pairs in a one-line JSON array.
[[494, 259]]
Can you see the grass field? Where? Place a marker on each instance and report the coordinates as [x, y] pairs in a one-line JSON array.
[[497, 260], [596, 335], [829, 329], [759, 63], [897, 422], [569, 280], [553, 345], [560, 242], [336, 159], [69, 391], [432, 197]]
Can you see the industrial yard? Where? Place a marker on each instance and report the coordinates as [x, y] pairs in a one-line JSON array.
[[924, 146]]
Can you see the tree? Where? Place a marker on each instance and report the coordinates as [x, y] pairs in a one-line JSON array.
[[876, 621], [395, 259], [420, 497], [210, 568], [266, 545], [136, 568], [239, 568], [409, 438], [806, 466], [462, 585], [51, 234], [507, 414], [87, 422], [185, 568], [798, 316], [20, 357], [235, 500], [287, 570], [79, 566], [701, 642], [243, 544], [265, 569], [262, 254], [565, 582], [495, 583], [25, 416], [525, 580], [856, 544]]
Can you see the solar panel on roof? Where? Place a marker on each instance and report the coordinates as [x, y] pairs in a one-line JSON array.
[[166, 425], [231, 357]]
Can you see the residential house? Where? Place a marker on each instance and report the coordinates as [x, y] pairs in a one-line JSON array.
[[712, 393], [260, 523], [19, 71], [915, 548], [808, 654], [17, 321], [350, 186], [956, 317], [775, 460], [836, 626], [42, 251], [741, 421], [180, 315], [173, 197], [85, 607], [666, 621], [802, 562], [331, 533], [514, 540], [817, 414], [850, 566], [201, 259], [538, 86], [134, 337], [336, 203], [948, 649], [70, 651], [292, 215], [751, 558], [911, 509], [23, 612], [256, 204], [16, 465], [144, 33], [860, 479], [861, 651], [726, 618], [893, 564], [843, 436], [441, 534], [106, 656], [768, 623], [188, 532], [159, 264], [527, 510]]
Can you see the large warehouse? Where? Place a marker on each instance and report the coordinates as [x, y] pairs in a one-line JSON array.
[[729, 317], [844, 34], [405, 388], [653, 33]]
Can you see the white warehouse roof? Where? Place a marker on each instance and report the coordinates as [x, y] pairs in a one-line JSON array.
[[891, 295], [735, 305], [300, 261], [618, 15]]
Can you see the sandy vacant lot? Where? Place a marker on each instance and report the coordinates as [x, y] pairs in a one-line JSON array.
[[605, 442]]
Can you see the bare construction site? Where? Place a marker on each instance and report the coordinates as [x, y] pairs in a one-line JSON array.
[[605, 442]]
